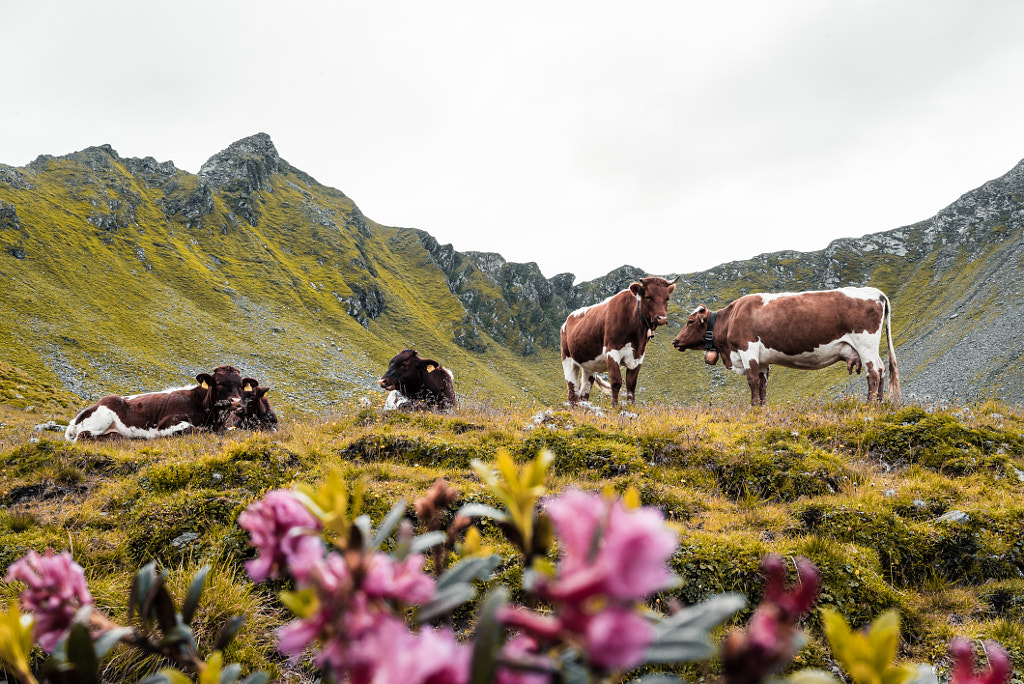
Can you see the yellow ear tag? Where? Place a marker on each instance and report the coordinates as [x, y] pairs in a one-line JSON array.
[[248, 388], [204, 385], [430, 368]]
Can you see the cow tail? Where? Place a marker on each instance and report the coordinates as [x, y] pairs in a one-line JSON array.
[[894, 372]]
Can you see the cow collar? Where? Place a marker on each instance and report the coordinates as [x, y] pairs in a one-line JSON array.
[[709, 336], [650, 328]]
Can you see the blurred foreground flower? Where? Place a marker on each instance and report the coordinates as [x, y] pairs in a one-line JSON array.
[[773, 636], [611, 557], [56, 590], [999, 666]]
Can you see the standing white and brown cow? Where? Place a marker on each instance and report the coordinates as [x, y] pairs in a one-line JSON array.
[[614, 333], [805, 330]]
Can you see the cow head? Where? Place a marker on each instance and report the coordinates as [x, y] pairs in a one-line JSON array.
[[692, 334], [653, 293], [407, 372], [223, 387]]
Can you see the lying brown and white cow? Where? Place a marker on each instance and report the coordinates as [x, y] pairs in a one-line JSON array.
[[253, 412], [614, 333], [160, 414], [808, 330], [415, 382]]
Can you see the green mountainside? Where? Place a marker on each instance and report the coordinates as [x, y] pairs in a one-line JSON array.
[[126, 275]]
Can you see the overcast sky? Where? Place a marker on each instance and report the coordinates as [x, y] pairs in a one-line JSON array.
[[670, 135]]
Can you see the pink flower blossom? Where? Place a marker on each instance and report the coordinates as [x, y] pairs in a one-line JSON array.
[[771, 637], [399, 580], [284, 533], [617, 638], [56, 589], [609, 549], [999, 669], [522, 649], [610, 558]]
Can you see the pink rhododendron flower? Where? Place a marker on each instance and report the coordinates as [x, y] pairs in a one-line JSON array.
[[399, 580], [770, 639], [999, 669], [617, 638], [627, 559], [56, 589], [523, 650], [611, 557], [284, 533]]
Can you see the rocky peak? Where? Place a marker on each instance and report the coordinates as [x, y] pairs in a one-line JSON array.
[[249, 162]]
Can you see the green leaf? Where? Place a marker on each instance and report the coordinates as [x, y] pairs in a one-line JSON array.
[[195, 590], [393, 517], [109, 639], [445, 601], [230, 673], [812, 677], [258, 677], [686, 635], [479, 510], [301, 603], [489, 633], [228, 632], [469, 569], [426, 541], [81, 654], [138, 597]]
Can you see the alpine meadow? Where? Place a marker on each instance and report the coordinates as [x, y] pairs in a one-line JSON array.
[[817, 513]]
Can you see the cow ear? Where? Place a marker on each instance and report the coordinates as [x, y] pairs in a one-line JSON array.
[[249, 384], [205, 380], [429, 364], [671, 287], [637, 289]]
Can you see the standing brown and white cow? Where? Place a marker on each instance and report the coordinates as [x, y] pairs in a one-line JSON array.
[[613, 333], [807, 330]]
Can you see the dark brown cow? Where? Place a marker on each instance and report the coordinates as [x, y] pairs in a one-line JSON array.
[[415, 382], [160, 414], [613, 333], [808, 330], [253, 412]]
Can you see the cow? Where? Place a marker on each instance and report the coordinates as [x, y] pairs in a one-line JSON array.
[[204, 406], [415, 382], [613, 333], [253, 412], [806, 330]]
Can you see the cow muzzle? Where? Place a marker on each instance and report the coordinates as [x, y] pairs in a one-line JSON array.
[[660, 320]]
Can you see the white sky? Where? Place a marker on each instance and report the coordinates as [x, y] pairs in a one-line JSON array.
[[672, 135]]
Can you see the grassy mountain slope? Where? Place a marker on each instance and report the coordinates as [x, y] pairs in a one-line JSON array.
[[122, 275]]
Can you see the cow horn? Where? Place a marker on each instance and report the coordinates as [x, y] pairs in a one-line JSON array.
[[676, 280]]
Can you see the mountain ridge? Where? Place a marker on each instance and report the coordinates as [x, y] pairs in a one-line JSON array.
[[161, 265]]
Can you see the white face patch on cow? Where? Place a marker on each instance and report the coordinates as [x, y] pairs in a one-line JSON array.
[[103, 421]]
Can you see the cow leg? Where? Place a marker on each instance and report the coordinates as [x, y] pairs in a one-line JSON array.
[[874, 383], [571, 371], [754, 382], [614, 379], [763, 385], [631, 377]]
